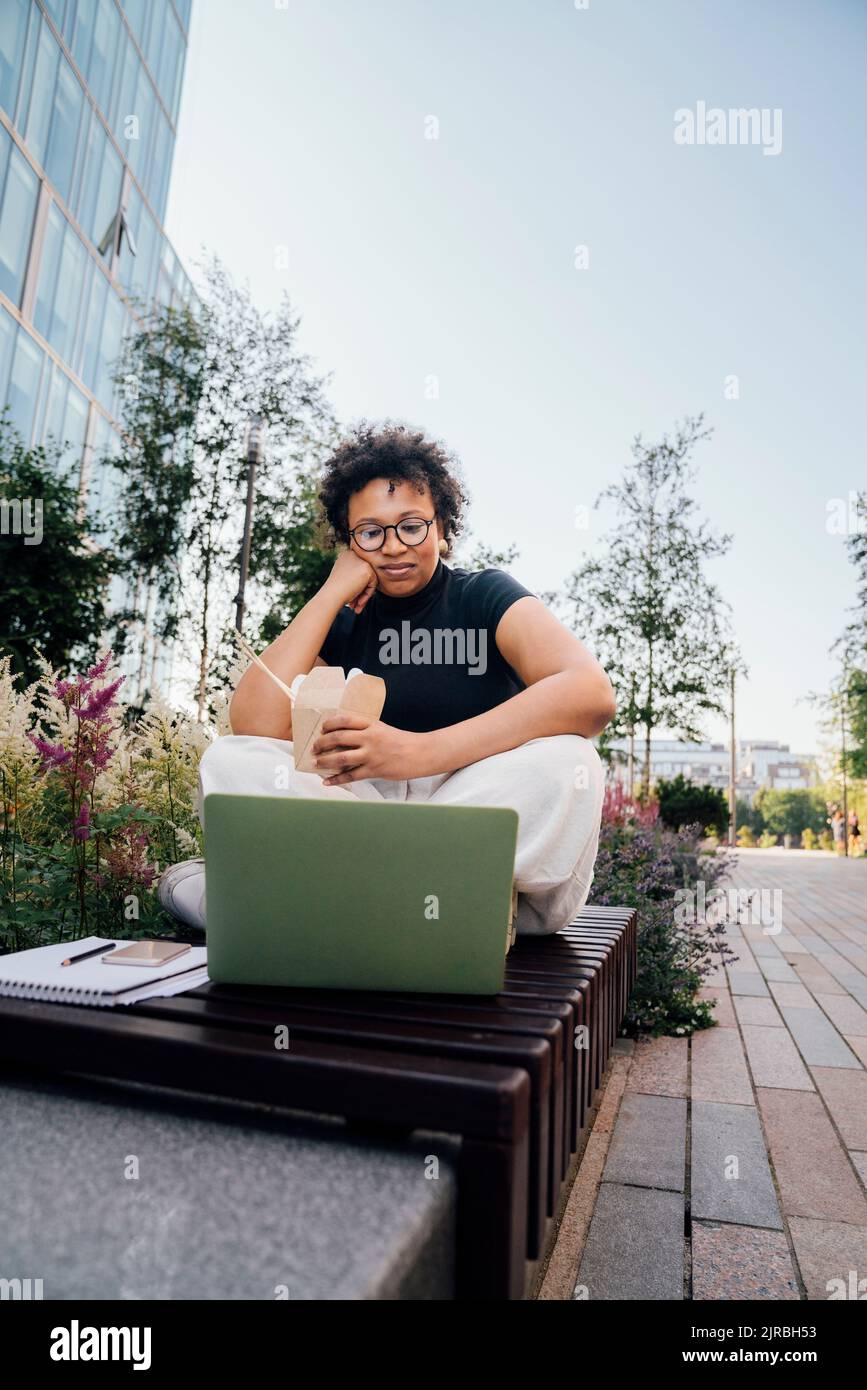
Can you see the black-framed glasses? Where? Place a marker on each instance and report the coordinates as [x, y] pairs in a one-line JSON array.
[[412, 531]]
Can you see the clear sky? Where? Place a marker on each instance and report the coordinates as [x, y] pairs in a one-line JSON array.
[[303, 127]]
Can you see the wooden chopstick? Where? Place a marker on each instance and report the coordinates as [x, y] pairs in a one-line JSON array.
[[251, 655]]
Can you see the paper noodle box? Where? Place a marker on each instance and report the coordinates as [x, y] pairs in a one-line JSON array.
[[321, 695]]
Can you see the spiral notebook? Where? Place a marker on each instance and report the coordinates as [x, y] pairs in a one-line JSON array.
[[38, 974]]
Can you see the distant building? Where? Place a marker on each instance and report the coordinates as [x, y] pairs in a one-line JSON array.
[[760, 763]]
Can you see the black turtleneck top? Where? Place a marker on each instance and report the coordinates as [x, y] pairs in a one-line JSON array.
[[436, 650]]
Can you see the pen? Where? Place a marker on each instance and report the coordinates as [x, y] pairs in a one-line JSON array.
[[85, 955]]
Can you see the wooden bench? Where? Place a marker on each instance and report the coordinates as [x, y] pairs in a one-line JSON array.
[[503, 1073]]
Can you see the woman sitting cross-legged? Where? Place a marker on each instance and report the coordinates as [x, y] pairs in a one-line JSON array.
[[490, 700]]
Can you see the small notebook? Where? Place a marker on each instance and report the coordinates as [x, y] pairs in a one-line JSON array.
[[38, 974]]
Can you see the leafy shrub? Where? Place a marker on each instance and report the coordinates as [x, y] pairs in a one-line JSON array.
[[685, 803], [808, 839], [767, 840], [644, 866], [746, 838]]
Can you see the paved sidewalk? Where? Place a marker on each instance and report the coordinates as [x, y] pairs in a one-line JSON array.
[[737, 1164]]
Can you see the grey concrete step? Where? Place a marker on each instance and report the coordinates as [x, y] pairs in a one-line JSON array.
[[126, 1192]]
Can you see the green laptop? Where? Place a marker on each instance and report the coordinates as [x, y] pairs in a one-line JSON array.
[[358, 895]]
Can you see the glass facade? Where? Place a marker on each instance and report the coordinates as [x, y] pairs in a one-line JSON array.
[[89, 98]]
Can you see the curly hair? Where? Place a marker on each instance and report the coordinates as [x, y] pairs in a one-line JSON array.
[[399, 454]]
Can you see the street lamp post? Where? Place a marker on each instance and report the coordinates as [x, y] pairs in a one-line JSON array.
[[255, 450], [843, 695], [733, 768]]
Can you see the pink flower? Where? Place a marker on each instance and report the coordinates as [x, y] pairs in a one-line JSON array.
[[81, 829], [53, 754], [102, 701], [100, 668]]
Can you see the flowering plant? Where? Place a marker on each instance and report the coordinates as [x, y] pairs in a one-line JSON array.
[[642, 864], [87, 808]]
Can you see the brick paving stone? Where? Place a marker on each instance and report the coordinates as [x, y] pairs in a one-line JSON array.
[[791, 946], [762, 1012], [747, 982], [723, 1012], [828, 1250], [777, 969], [635, 1245], [660, 1066], [813, 1172], [859, 1047], [719, 1069], [730, 1176], [845, 1094], [845, 974], [562, 1268], [817, 978], [648, 1147], [792, 994], [762, 945], [740, 1262], [774, 1059], [845, 1013], [818, 1040], [860, 1161]]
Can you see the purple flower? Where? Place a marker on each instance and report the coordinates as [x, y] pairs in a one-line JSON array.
[[53, 754], [101, 701], [100, 668], [81, 829]]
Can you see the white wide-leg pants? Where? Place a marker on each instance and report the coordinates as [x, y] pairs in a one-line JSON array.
[[555, 784]]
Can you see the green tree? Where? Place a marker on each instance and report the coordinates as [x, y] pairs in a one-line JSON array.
[[185, 427], [53, 594], [750, 816], [162, 376], [791, 811], [657, 623], [686, 803]]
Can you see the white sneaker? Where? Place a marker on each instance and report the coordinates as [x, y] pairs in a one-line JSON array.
[[181, 891]]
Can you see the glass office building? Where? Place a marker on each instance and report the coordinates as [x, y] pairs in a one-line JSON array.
[[89, 96]]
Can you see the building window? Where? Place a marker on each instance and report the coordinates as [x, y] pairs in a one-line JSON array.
[[98, 294], [161, 165], [100, 68], [138, 149], [13, 33], [19, 188], [63, 137], [55, 9], [137, 271], [8, 329], [109, 351], [58, 295], [171, 66], [24, 383], [65, 421], [100, 191], [105, 483], [42, 94], [183, 9]]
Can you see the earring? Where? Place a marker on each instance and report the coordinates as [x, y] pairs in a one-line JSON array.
[[444, 547]]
